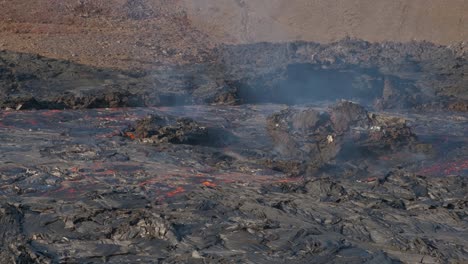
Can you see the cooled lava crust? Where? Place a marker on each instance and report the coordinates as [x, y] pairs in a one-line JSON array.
[[249, 156]]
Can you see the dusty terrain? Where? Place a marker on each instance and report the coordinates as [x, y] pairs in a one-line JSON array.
[[142, 33], [162, 131], [117, 34]]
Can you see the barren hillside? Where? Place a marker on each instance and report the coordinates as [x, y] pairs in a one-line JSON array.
[[141, 33]]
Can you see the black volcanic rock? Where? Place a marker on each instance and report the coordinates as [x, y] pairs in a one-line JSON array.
[[390, 75], [168, 130], [318, 138]]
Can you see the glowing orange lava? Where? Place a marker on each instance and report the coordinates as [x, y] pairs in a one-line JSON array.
[[50, 113], [445, 168], [178, 190], [130, 135], [209, 184]]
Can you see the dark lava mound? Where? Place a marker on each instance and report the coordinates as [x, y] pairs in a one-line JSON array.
[[388, 75], [168, 129], [345, 132]]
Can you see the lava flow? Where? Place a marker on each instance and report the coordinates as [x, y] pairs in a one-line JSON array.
[[242, 172]]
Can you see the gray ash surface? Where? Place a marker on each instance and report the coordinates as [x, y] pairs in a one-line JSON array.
[[87, 186]]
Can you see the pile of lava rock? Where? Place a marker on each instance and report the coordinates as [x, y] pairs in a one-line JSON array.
[[167, 129], [345, 130], [160, 129]]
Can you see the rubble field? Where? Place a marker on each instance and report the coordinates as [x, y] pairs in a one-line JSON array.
[[318, 183], [349, 152]]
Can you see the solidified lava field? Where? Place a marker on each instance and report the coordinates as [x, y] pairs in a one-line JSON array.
[[349, 152]]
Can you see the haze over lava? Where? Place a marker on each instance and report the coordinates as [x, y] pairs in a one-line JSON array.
[[233, 131]]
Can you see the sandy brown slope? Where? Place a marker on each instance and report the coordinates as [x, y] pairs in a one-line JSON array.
[[142, 33], [438, 21]]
